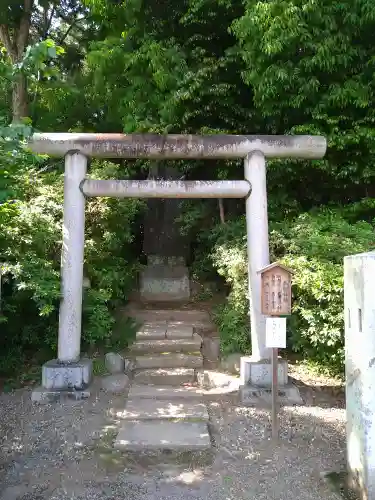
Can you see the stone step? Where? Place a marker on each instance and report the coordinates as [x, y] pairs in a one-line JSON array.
[[158, 435], [178, 330], [194, 317], [173, 376], [175, 360], [167, 345], [155, 331], [164, 392], [160, 331], [146, 409]]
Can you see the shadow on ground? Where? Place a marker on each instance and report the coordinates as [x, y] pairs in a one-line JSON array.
[[64, 452]]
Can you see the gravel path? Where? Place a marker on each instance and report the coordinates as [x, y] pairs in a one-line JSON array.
[[63, 452]]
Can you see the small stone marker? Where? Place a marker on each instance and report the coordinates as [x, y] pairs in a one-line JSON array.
[[114, 363], [115, 383]]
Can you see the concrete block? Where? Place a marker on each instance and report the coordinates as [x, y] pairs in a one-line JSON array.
[[175, 360], [115, 383], [164, 392], [262, 396], [114, 362], [359, 313], [211, 348], [159, 435], [56, 375], [178, 330], [259, 373], [157, 346], [159, 282], [150, 409], [46, 396], [160, 376]]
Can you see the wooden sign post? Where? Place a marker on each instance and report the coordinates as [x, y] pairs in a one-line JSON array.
[[276, 304]]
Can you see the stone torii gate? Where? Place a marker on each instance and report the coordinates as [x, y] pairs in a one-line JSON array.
[[70, 374]]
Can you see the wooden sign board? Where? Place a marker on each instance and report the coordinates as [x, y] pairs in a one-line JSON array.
[[276, 290]]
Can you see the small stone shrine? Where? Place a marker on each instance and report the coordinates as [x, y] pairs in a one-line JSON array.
[[166, 276]]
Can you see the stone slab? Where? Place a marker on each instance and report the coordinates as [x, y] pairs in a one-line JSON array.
[[156, 332], [175, 360], [158, 346], [146, 409], [261, 396], [59, 376], [194, 317], [159, 435], [173, 376], [259, 373], [165, 283], [164, 392], [45, 396], [179, 330]]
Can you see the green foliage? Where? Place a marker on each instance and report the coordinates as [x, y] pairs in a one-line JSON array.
[[194, 66], [30, 246], [313, 245], [310, 65]]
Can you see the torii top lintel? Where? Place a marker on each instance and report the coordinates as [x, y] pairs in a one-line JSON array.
[[175, 147]]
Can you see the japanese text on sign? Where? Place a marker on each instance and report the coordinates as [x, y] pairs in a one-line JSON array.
[[276, 333]]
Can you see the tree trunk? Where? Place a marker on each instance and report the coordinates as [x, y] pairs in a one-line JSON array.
[[15, 39], [221, 210], [20, 108]]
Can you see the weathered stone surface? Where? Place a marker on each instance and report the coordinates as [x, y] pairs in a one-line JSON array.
[[164, 283], [115, 383], [45, 396], [146, 409], [17, 492], [211, 348], [164, 392], [156, 332], [160, 376], [191, 317], [159, 435], [129, 365], [162, 235], [231, 363], [114, 363], [259, 373], [262, 396], [211, 379], [175, 360], [58, 376], [178, 330], [157, 346]]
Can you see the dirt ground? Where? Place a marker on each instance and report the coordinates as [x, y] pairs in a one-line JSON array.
[[64, 451]]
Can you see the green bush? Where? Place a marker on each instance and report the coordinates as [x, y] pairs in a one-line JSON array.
[[313, 245], [30, 249]]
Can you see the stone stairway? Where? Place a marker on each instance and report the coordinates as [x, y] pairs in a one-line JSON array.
[[165, 408]]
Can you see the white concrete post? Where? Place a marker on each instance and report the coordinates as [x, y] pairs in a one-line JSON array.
[[69, 343], [359, 279], [258, 248]]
